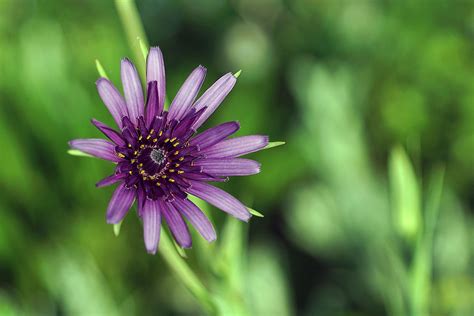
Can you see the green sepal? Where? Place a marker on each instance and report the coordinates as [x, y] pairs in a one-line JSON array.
[[237, 74], [254, 212], [75, 152], [100, 69], [274, 144], [117, 228]]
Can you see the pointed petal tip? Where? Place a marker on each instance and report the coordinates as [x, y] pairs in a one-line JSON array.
[[151, 251], [95, 122], [110, 220], [245, 219], [100, 80], [115, 217], [154, 52], [187, 245], [127, 62], [112, 179], [155, 49]]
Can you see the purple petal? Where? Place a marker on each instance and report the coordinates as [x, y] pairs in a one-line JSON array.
[[155, 71], [236, 147], [213, 97], [183, 129], [152, 109], [112, 100], [196, 217], [187, 93], [112, 134], [132, 89], [151, 216], [215, 134], [110, 180], [228, 166], [99, 148], [203, 177], [141, 198], [219, 199], [119, 204], [177, 226]]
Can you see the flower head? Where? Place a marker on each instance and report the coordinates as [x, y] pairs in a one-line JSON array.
[[159, 159]]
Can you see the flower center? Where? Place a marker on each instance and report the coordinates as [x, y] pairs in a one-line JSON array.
[[157, 155]]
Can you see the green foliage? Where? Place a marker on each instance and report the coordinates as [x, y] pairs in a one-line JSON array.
[[405, 195]]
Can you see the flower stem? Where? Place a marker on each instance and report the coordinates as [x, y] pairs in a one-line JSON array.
[[133, 27], [184, 273]]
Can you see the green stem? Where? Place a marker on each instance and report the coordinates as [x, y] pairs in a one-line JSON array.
[[133, 27], [422, 265], [184, 273]]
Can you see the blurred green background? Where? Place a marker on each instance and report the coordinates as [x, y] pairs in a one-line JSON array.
[[375, 100]]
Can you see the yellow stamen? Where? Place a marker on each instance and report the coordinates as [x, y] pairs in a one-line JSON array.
[[171, 170], [176, 165], [158, 184], [173, 139], [140, 138], [176, 144], [133, 160], [142, 146], [152, 131], [135, 152], [171, 180], [121, 155], [167, 140], [176, 152], [164, 176], [129, 145], [180, 171], [140, 165], [130, 172], [148, 137], [160, 133], [155, 140], [142, 172], [181, 159]]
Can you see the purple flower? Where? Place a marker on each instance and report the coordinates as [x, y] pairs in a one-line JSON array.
[[159, 159]]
